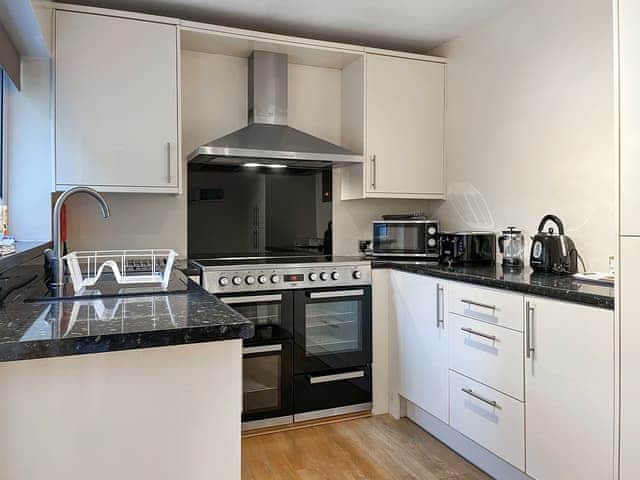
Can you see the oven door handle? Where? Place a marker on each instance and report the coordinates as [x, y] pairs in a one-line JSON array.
[[336, 377], [338, 294], [252, 299], [262, 349]]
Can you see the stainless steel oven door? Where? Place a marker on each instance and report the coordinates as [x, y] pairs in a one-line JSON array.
[[332, 329]]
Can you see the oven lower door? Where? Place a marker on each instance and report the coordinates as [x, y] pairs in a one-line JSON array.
[[332, 329], [333, 393], [267, 384]]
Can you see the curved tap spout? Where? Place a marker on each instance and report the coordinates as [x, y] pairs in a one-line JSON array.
[[57, 237]]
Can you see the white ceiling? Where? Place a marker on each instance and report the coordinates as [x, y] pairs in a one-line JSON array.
[[413, 25]]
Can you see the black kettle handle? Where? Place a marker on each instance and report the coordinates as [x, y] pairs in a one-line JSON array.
[[553, 219]]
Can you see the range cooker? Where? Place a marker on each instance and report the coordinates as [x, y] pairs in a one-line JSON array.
[[311, 353]]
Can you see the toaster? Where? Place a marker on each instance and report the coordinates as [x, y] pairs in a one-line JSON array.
[[468, 248]]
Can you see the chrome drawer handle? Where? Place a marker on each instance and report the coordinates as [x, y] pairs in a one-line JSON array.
[[479, 334], [336, 378], [481, 305], [262, 349], [473, 394]]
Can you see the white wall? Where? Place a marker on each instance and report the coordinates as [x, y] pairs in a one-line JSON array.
[[28, 163], [530, 123]]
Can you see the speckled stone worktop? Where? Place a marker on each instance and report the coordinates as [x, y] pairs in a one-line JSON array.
[[93, 325], [560, 287]]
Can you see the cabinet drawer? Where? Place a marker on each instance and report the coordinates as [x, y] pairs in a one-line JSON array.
[[488, 417], [489, 354], [488, 305]]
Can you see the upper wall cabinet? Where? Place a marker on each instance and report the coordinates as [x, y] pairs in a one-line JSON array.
[[116, 104], [404, 131], [629, 24]]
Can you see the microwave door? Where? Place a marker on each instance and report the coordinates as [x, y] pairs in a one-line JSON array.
[[406, 239]]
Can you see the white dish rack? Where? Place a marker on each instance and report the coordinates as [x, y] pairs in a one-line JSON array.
[[129, 267]]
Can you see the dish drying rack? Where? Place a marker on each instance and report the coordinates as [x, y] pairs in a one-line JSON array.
[[129, 267]]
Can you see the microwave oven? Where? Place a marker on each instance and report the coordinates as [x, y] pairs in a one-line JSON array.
[[406, 238]]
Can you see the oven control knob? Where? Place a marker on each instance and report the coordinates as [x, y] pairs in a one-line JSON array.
[[431, 230], [431, 242], [223, 281], [357, 274], [275, 278], [262, 279], [250, 280], [335, 276], [313, 277], [324, 276], [237, 280]]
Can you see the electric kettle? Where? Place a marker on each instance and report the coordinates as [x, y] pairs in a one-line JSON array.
[[511, 245], [553, 252]]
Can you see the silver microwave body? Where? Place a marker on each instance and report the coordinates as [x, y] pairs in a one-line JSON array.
[[406, 238]]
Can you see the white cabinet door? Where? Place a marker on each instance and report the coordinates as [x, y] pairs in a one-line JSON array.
[[116, 103], [569, 385], [421, 343], [629, 24], [629, 359], [405, 127]]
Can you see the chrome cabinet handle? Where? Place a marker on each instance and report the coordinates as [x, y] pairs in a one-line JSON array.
[[439, 313], [481, 305], [373, 172], [479, 334], [262, 349], [336, 378], [168, 162], [529, 338], [473, 394]]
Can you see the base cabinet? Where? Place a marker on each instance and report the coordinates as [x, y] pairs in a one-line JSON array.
[[419, 348], [569, 379]]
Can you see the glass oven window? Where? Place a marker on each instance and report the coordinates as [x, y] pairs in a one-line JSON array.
[[267, 317], [333, 327], [261, 383], [399, 238]]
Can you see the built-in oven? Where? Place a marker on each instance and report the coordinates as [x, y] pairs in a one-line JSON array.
[[406, 238], [332, 351], [267, 367], [332, 329]]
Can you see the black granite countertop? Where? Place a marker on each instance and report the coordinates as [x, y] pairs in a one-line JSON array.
[[94, 325], [561, 287]]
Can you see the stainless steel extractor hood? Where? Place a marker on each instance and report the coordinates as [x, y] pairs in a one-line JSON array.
[[268, 140]]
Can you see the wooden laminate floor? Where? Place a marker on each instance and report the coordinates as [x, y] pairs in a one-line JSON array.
[[373, 448]]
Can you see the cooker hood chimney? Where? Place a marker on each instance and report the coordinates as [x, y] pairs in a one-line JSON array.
[[268, 140]]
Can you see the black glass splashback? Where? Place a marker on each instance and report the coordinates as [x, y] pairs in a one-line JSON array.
[[253, 211]]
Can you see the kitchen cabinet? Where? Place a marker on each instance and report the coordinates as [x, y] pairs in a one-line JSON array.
[[569, 378], [404, 131], [629, 359], [116, 104], [419, 350], [629, 70], [488, 417]]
